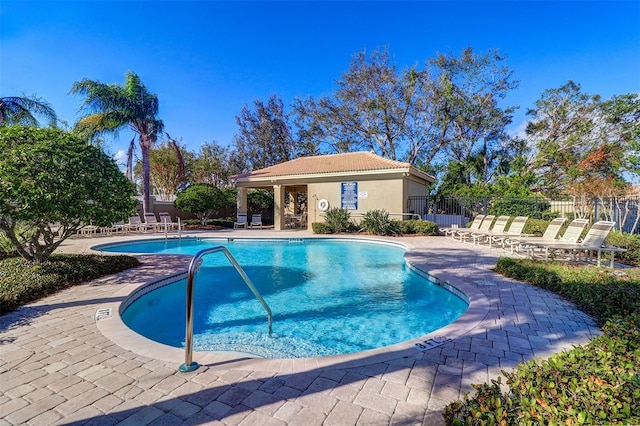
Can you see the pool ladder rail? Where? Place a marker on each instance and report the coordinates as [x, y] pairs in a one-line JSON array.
[[194, 267]]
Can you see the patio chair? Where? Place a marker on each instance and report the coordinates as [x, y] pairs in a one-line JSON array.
[[550, 234], [515, 230], [453, 231], [241, 221], [115, 228], [484, 226], [150, 222], [593, 241], [256, 221], [484, 235], [134, 223], [571, 236], [165, 221]]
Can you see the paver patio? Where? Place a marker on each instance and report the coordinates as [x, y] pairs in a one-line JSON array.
[[57, 366]]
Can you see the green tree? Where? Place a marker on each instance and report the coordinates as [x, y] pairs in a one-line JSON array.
[[265, 138], [112, 107], [169, 168], [584, 145], [22, 110], [471, 123], [414, 114], [200, 199], [260, 201], [213, 165], [55, 183]]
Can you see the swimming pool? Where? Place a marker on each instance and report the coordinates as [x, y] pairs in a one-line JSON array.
[[327, 296]]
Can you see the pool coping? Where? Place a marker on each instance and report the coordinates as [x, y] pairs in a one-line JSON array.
[[110, 324]]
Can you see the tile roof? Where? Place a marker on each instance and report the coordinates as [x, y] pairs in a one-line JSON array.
[[333, 163]]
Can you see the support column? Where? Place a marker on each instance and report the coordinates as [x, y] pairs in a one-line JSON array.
[[241, 201], [278, 207]]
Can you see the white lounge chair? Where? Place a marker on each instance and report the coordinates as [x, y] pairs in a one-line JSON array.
[[484, 226], [150, 222], [593, 241], [550, 234], [241, 221], [475, 225], [485, 235], [134, 223], [515, 230], [165, 221], [453, 230], [571, 236], [256, 221]]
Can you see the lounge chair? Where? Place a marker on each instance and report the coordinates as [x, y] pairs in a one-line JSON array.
[[134, 223], [256, 221], [550, 234], [241, 221], [484, 227], [115, 228], [483, 235], [150, 222], [165, 221], [593, 241], [515, 230], [571, 236], [453, 231]]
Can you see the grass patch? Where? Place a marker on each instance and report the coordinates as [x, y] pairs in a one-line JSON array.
[[22, 281], [593, 384]]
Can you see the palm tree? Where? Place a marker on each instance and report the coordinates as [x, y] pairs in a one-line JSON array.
[[110, 107], [22, 110]]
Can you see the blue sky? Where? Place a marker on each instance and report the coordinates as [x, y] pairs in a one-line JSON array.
[[207, 59]]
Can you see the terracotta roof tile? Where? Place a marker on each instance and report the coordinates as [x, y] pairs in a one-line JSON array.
[[326, 164]]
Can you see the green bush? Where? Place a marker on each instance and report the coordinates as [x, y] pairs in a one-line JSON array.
[[631, 242], [532, 207], [377, 222], [338, 220], [320, 228], [418, 226], [22, 281]]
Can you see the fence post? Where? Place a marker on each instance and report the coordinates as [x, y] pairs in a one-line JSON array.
[[596, 213]]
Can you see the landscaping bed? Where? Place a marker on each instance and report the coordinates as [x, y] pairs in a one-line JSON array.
[[22, 282]]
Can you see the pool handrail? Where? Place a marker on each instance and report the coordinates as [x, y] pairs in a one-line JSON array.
[[194, 266]]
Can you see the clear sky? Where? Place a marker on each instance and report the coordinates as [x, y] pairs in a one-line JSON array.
[[207, 59]]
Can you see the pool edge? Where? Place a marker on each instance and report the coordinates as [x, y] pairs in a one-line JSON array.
[[112, 327]]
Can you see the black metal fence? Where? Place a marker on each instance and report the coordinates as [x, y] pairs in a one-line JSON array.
[[446, 211]]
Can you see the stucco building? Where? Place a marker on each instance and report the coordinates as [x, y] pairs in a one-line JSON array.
[[357, 181]]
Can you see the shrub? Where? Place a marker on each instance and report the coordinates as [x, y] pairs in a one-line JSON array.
[[23, 282], [377, 222], [419, 226], [54, 176], [532, 207], [320, 228], [338, 220], [629, 242], [201, 199]]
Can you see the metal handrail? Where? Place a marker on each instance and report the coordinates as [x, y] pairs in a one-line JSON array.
[[189, 365]]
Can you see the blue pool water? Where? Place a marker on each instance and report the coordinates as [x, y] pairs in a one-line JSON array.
[[327, 297]]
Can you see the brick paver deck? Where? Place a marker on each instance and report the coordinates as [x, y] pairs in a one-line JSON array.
[[59, 366]]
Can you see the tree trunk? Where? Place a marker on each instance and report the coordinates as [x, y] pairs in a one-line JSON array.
[[145, 175]]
